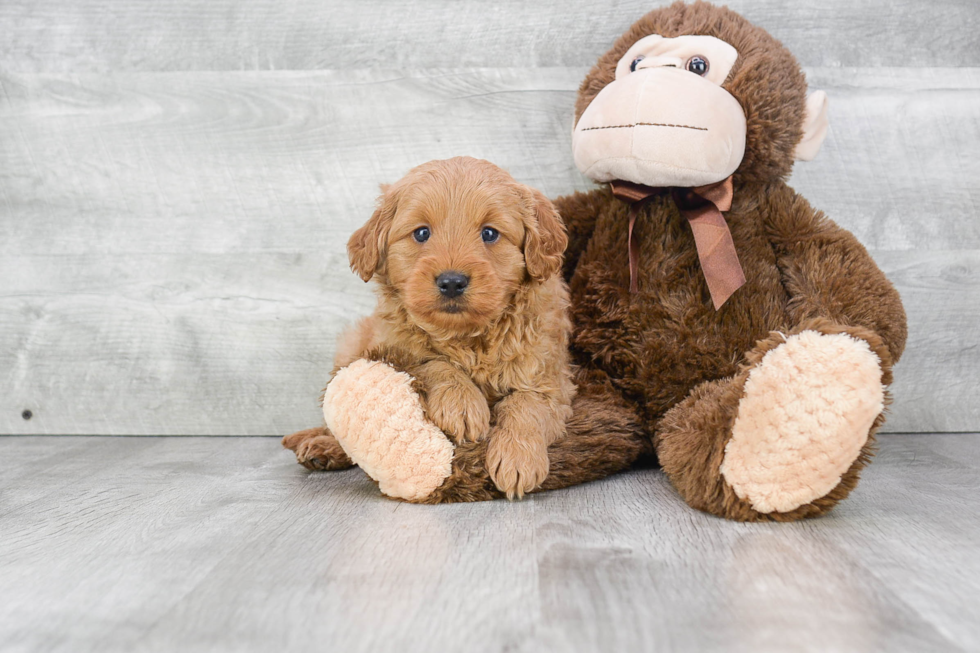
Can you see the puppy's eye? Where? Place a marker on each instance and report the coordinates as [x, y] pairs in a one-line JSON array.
[[697, 65], [636, 62], [421, 234], [490, 235]]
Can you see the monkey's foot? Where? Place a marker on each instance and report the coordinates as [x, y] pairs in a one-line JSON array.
[[377, 417], [805, 414]]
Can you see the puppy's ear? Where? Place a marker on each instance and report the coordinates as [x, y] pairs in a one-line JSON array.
[[366, 247], [545, 239]]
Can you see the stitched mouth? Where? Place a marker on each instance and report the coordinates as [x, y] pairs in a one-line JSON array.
[[647, 124]]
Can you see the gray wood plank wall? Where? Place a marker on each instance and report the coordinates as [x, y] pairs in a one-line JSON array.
[[178, 181]]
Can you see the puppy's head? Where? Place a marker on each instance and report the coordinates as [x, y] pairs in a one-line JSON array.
[[455, 240]]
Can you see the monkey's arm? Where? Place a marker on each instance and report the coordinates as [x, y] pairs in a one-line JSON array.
[[829, 274], [786, 437], [578, 211]]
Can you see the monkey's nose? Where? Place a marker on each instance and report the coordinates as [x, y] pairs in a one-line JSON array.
[[452, 284]]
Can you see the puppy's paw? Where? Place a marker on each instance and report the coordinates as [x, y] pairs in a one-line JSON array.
[[461, 412], [318, 450], [517, 464]]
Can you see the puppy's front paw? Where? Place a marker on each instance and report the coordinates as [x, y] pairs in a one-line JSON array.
[[461, 412], [516, 464]]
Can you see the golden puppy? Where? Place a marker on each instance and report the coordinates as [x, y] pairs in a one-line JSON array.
[[471, 304]]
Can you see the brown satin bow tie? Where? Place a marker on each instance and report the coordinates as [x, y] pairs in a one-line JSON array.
[[702, 207]]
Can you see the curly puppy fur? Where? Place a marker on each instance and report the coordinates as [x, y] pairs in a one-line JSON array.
[[663, 369], [491, 363]]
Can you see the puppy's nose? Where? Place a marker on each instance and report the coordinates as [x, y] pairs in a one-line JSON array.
[[452, 284]]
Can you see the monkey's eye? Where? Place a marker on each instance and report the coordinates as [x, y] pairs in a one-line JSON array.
[[421, 234], [490, 235], [697, 65], [635, 62]]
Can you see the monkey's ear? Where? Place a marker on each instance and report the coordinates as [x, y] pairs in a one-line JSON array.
[[366, 247], [815, 125], [545, 239]]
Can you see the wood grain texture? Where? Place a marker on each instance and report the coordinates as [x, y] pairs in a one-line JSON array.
[[172, 244], [936, 380], [194, 544], [88, 35], [896, 168]]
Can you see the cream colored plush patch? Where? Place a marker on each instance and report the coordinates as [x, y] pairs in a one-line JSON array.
[[658, 123], [636, 130], [815, 125], [377, 417], [806, 414]]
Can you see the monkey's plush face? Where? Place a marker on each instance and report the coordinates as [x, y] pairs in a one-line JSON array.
[[665, 120]]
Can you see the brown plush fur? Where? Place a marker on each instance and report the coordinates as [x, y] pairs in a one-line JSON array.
[[492, 363], [691, 436], [663, 366], [666, 350]]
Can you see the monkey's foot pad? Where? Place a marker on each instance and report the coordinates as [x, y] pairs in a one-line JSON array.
[[377, 417], [806, 414]]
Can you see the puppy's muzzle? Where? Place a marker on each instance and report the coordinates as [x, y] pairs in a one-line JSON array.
[[452, 284]]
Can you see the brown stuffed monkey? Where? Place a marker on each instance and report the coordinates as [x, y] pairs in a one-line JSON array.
[[719, 321]]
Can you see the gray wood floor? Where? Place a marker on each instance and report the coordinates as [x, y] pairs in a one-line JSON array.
[[193, 544]]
